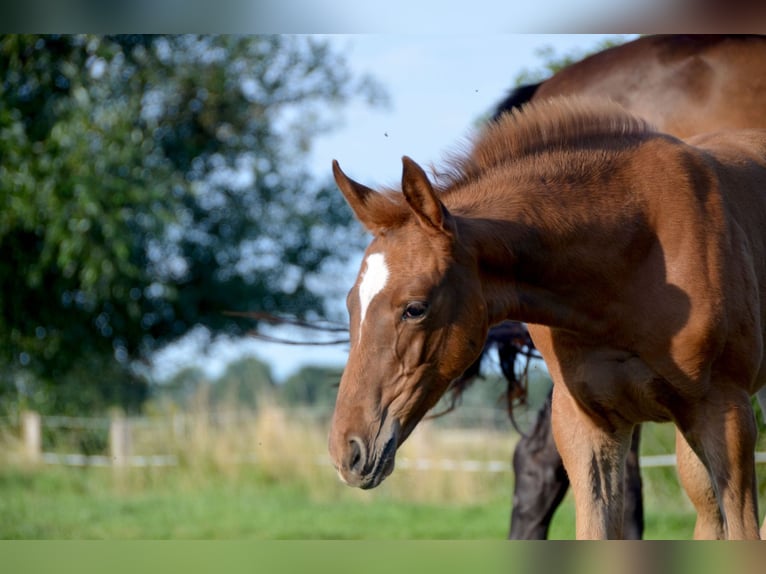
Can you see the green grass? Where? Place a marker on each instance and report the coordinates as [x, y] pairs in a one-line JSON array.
[[70, 503], [288, 496], [60, 503], [674, 522]]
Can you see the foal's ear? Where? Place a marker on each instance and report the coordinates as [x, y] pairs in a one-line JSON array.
[[422, 199], [358, 197]]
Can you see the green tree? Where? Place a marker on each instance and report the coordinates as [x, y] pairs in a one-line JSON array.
[[312, 386], [180, 390], [153, 183], [245, 383]]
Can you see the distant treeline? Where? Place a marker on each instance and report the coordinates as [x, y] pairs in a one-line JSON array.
[[249, 383]]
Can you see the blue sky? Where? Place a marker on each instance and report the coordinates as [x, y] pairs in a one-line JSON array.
[[438, 86]]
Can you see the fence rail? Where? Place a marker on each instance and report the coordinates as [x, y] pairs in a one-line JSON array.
[[120, 447], [76, 459]]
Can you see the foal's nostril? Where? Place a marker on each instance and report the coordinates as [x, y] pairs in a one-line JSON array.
[[356, 456]]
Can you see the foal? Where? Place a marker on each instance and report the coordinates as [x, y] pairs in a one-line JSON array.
[[637, 259]]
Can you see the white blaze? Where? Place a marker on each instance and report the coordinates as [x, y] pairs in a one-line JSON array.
[[374, 279]]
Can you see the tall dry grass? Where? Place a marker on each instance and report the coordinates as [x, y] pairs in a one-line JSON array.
[[278, 444], [459, 460], [282, 445]]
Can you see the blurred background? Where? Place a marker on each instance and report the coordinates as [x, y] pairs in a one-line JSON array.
[[165, 197]]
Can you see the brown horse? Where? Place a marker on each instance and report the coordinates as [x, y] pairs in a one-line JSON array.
[[637, 259], [688, 84], [682, 84]]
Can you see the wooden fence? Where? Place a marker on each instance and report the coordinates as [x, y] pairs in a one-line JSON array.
[[121, 455], [119, 442]]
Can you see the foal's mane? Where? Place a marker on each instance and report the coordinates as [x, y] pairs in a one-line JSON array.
[[535, 129], [540, 127]]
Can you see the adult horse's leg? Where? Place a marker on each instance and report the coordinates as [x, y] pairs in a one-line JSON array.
[[595, 461], [541, 483], [724, 441], [633, 516]]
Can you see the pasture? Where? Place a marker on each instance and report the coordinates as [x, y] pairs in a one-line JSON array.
[[265, 475]]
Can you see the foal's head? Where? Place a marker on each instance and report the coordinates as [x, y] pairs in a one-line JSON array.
[[417, 320]]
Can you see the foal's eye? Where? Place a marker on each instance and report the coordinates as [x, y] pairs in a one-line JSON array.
[[415, 310]]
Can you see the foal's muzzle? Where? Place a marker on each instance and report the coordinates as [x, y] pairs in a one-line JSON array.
[[365, 465]]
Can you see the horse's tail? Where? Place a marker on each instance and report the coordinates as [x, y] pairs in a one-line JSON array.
[[515, 98]]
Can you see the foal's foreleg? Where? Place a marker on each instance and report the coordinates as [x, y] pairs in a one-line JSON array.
[[723, 435], [595, 462], [695, 480]]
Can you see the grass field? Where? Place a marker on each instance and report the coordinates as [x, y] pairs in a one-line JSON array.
[[289, 494], [89, 504]]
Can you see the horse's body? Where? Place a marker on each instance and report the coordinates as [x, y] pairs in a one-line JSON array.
[[682, 85], [637, 259], [688, 84]]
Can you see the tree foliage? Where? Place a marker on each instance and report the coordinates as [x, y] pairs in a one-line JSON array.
[[153, 183], [312, 386], [245, 383]]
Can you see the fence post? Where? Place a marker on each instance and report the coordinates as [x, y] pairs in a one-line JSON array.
[[31, 430], [119, 440], [179, 426]]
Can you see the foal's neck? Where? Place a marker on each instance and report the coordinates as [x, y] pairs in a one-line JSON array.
[[553, 256]]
